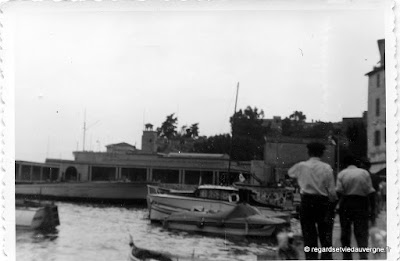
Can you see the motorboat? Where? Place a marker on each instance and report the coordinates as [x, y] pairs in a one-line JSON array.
[[242, 220], [163, 202], [36, 215]]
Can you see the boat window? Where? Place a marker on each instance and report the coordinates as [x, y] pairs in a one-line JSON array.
[[46, 173], [166, 175], [206, 177], [36, 173], [225, 195], [26, 172], [71, 174], [16, 171], [196, 177], [54, 174], [103, 173], [133, 174], [214, 194], [202, 193], [192, 177], [226, 179]]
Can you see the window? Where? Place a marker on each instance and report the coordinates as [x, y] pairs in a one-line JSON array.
[[26, 172], [166, 175], [134, 174], [103, 173], [378, 79], [46, 173], [194, 177], [16, 171], [377, 109], [54, 173], [377, 138], [36, 173]]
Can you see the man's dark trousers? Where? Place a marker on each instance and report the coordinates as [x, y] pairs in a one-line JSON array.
[[315, 219], [354, 211]]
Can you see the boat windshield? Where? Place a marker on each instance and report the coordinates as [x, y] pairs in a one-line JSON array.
[[215, 194]]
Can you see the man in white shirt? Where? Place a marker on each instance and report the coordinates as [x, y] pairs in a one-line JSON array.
[[317, 189], [354, 187]]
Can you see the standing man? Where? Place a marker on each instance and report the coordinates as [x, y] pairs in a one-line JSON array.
[[354, 187], [317, 189], [375, 200]]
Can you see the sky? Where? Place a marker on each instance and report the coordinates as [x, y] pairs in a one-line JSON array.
[[127, 65]]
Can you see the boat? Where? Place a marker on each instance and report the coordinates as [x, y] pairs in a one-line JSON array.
[[141, 254], [242, 220], [163, 202], [283, 198], [36, 215], [89, 191]]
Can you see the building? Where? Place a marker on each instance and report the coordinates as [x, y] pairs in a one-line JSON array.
[[122, 148], [123, 162], [282, 153], [376, 127], [274, 124]]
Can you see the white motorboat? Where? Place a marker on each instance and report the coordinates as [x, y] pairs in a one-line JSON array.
[[162, 202], [36, 215]]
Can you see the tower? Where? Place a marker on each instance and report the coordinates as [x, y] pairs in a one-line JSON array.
[[149, 139]]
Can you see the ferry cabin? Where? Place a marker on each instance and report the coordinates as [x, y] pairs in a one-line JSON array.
[[171, 168]]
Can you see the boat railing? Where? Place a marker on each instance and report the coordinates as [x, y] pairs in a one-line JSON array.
[[156, 190]]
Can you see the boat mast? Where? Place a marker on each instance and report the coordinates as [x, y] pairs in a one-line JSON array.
[[84, 131], [85, 128], [231, 145]]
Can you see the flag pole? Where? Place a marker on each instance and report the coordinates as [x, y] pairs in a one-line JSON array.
[[231, 145]]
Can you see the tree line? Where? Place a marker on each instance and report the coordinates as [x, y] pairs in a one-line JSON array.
[[249, 132]]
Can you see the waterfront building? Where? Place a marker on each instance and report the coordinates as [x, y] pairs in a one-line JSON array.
[[123, 162], [376, 128]]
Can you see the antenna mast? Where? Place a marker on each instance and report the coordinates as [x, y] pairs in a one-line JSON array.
[[85, 128], [84, 131], [231, 145]]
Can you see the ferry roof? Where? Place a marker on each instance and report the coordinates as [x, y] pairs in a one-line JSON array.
[[196, 155], [218, 187], [40, 164]]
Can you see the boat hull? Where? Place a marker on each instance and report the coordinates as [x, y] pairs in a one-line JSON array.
[[162, 205], [243, 220], [214, 229], [30, 216], [85, 191]]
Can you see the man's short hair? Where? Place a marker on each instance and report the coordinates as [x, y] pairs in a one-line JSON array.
[[316, 149], [350, 159]]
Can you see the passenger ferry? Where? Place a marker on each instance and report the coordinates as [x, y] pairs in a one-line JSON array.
[[121, 174]]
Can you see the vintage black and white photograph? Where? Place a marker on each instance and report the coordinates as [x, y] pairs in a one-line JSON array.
[[199, 130]]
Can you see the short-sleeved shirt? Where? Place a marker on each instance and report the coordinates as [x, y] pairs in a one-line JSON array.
[[354, 181], [314, 177]]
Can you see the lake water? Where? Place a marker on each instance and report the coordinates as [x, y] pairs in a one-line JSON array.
[[97, 232]]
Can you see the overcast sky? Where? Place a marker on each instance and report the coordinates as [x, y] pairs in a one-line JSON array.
[[129, 66]]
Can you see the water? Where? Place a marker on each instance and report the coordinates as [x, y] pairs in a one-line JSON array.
[[96, 232]]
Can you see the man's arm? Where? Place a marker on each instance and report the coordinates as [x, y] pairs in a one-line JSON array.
[[331, 186], [370, 191], [293, 171]]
